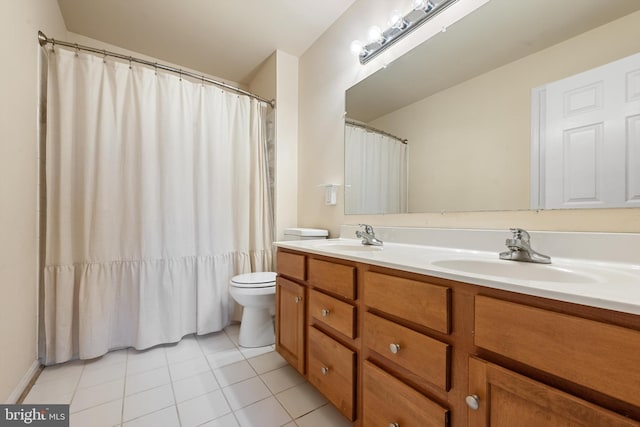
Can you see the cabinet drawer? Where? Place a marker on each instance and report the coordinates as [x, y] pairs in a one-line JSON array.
[[332, 312], [593, 354], [291, 265], [387, 400], [336, 278], [332, 370], [423, 356], [418, 302]]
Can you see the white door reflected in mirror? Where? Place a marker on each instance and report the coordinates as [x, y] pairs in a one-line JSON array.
[[590, 138]]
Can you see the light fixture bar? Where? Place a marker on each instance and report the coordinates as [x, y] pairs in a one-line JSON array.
[[412, 20]]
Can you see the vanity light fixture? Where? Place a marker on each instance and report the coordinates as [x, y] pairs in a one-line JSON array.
[[399, 26]]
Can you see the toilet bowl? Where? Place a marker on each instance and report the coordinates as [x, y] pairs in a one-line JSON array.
[[256, 293]]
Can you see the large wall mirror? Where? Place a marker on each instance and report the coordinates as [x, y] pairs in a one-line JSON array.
[[454, 115]]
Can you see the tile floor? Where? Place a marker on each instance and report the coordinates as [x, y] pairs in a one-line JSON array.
[[201, 381]]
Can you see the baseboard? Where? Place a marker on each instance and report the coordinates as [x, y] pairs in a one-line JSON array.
[[24, 383]]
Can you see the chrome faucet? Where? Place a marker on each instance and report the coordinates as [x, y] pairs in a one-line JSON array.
[[368, 236], [520, 249]]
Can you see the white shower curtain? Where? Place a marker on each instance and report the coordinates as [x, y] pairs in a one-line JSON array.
[[157, 194], [375, 173]]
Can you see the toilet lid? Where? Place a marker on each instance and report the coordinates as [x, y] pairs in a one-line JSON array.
[[255, 280]]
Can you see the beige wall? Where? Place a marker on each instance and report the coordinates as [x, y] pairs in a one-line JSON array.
[[286, 192], [19, 24], [482, 126], [277, 79], [264, 81], [88, 41], [327, 69]]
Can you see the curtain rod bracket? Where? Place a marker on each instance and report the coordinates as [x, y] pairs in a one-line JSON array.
[[42, 39]]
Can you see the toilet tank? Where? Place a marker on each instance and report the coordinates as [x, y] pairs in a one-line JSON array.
[[305, 234]]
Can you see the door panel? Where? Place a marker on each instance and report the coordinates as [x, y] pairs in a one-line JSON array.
[[590, 138], [507, 399]]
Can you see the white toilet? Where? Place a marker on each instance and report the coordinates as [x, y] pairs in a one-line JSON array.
[[256, 293]]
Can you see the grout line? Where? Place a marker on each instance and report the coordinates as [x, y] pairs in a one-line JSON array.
[[75, 389], [173, 391], [124, 388], [220, 385]]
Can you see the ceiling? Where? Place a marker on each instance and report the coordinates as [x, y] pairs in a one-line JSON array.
[[228, 39]]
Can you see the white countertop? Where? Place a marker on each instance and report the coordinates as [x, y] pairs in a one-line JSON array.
[[606, 284]]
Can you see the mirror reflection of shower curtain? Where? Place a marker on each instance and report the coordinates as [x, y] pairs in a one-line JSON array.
[[375, 173], [157, 193]]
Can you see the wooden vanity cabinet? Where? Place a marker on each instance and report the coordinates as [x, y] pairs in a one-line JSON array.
[[394, 348], [318, 332]]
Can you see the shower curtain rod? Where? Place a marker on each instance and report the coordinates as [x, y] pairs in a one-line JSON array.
[[44, 40], [367, 127]]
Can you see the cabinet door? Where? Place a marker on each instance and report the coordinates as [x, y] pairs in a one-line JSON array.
[[290, 322], [501, 398]]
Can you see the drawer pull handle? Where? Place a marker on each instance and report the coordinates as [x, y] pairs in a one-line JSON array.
[[473, 401], [297, 299], [394, 425], [324, 370], [325, 312], [394, 348]]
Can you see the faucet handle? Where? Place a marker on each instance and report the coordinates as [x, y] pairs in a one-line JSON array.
[[367, 228], [519, 233]]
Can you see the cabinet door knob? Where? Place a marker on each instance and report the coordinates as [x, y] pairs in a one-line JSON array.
[[394, 425], [297, 299], [473, 401], [325, 312], [324, 370], [394, 348]]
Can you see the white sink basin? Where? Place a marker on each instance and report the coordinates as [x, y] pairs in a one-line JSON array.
[[516, 270], [349, 247]]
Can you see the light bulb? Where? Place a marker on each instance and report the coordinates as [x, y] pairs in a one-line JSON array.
[[425, 5], [357, 47], [430, 6], [396, 19], [375, 34]]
